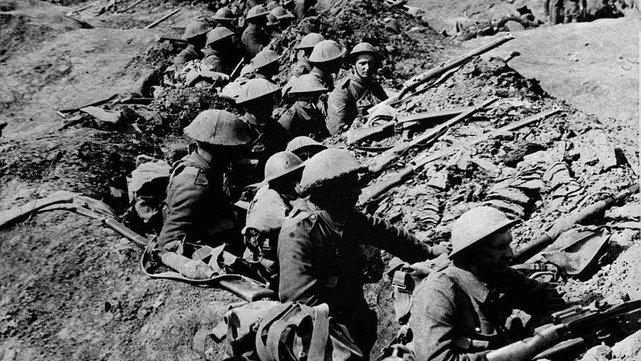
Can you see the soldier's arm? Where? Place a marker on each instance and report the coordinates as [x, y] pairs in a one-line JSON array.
[[432, 322], [297, 282], [186, 194], [395, 240], [536, 298], [336, 111], [252, 44], [379, 92]]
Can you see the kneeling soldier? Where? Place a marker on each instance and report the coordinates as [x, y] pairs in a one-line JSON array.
[[357, 91], [199, 207], [460, 311], [319, 257], [305, 117]]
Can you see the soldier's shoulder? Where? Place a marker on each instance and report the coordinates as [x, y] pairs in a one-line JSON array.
[[439, 281], [343, 83], [189, 174], [301, 217]]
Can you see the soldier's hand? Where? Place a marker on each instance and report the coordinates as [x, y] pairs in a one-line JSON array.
[[441, 248]]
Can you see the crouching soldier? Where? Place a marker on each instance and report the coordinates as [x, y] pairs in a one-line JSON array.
[[267, 211], [357, 91], [219, 53], [460, 311], [198, 206], [257, 98], [305, 117], [304, 147], [195, 35], [319, 257]]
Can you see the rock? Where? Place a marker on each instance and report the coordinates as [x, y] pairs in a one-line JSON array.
[[624, 238], [598, 353], [629, 348], [513, 26]]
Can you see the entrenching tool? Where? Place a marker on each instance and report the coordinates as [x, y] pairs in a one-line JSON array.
[[379, 188], [403, 122], [577, 217]]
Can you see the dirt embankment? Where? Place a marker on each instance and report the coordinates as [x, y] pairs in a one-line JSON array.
[[73, 290]]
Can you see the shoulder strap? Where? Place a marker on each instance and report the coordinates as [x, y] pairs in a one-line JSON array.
[[320, 334], [266, 324]]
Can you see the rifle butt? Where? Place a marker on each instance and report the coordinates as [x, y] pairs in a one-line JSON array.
[[358, 135], [383, 186], [526, 349], [125, 232]]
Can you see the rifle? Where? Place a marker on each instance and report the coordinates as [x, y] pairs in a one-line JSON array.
[[423, 78], [565, 223], [418, 162], [573, 327], [160, 38], [357, 135], [383, 160]]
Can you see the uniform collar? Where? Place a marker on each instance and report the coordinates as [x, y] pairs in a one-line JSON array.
[[199, 161], [470, 283], [335, 226]]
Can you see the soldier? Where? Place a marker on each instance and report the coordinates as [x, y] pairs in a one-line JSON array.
[[356, 91], [267, 211], [258, 97], [266, 64], [283, 18], [219, 53], [199, 208], [304, 147], [302, 66], [255, 38], [305, 117], [225, 17], [195, 35], [460, 311], [318, 246], [232, 90], [326, 60], [304, 50]]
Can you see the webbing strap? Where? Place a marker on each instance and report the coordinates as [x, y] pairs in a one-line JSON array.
[[261, 347], [320, 334]]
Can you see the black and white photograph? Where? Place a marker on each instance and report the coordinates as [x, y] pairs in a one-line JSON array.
[[320, 180]]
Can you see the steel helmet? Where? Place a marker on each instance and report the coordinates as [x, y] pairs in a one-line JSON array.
[[224, 14], [364, 48], [326, 50], [302, 143], [194, 29], [256, 12], [280, 13], [218, 127], [267, 212], [256, 88], [326, 165], [308, 41], [272, 20], [307, 83], [476, 224], [281, 164], [265, 58], [217, 34]]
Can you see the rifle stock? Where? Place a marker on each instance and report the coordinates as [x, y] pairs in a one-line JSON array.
[[567, 222], [357, 135], [572, 327], [381, 161], [524, 350], [383, 186], [422, 78]]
